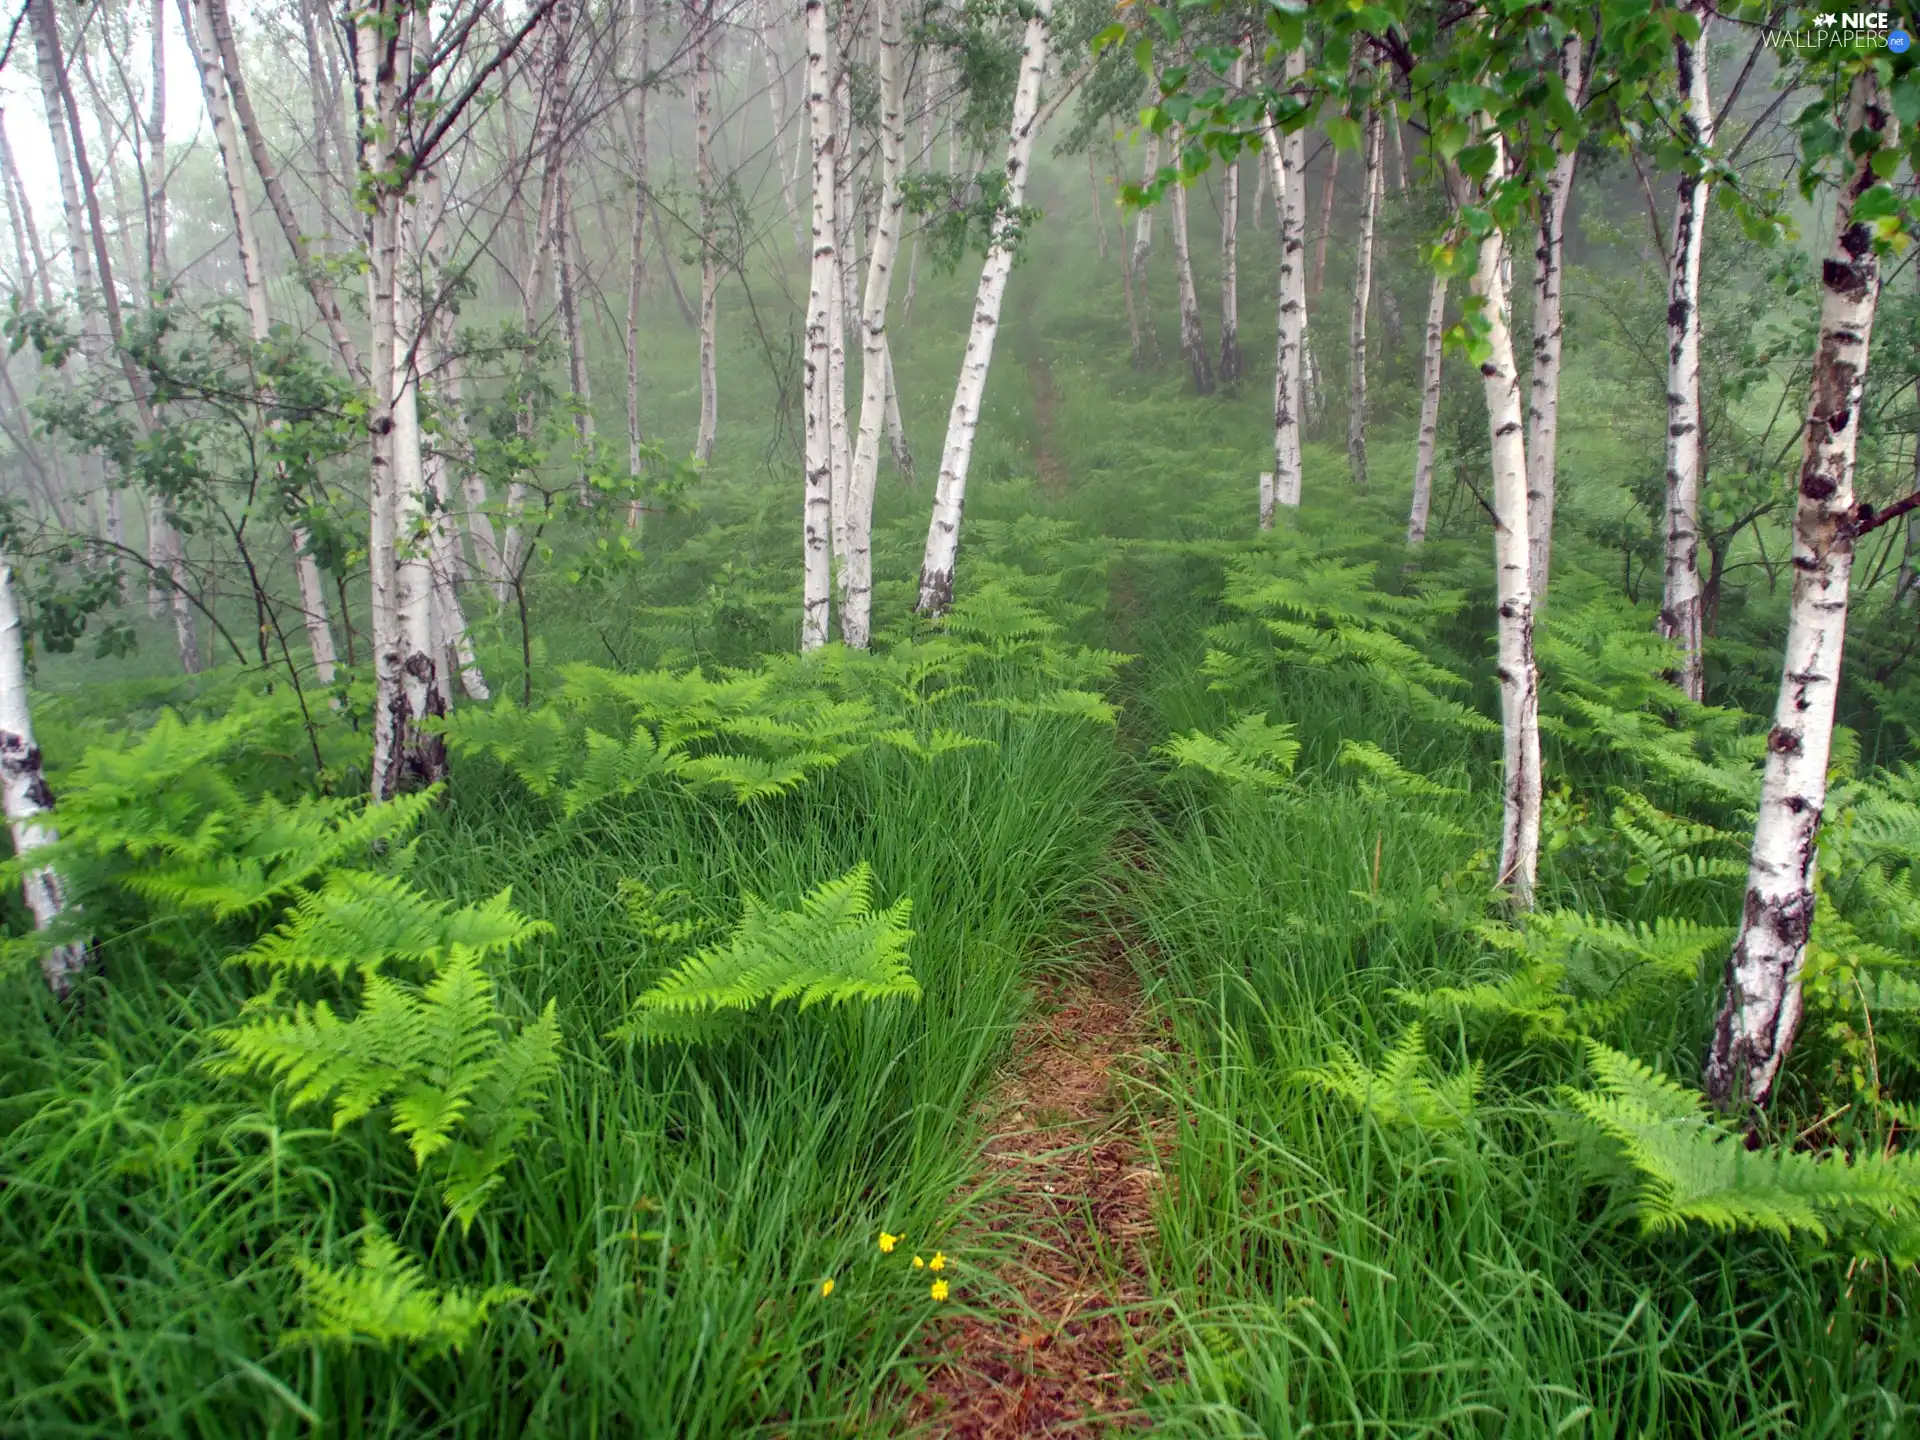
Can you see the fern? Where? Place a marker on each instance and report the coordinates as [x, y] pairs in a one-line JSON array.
[[1249, 752], [1691, 1170], [1385, 775], [834, 949], [357, 920], [383, 1296], [941, 741], [1400, 1092]]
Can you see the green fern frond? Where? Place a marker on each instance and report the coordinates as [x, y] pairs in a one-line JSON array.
[[1387, 773], [1400, 1091], [752, 778], [834, 949], [384, 1297], [1251, 751], [942, 741], [358, 920], [1073, 704]]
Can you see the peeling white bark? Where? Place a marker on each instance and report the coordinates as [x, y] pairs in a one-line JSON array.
[[1519, 680], [1543, 406], [963, 420], [822, 299], [876, 370], [1286, 164], [1761, 1009], [1430, 356], [27, 798], [1680, 606]]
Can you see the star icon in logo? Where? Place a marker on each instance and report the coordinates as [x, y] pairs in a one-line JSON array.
[[1824, 20]]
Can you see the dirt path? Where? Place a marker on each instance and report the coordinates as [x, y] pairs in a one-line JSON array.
[[1071, 1207], [1053, 473]]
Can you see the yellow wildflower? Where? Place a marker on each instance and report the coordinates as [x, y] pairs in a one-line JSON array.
[[826, 1287], [918, 1263], [938, 1263], [939, 1290], [887, 1242]]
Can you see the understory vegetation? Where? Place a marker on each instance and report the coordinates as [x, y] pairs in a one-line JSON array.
[[618, 1081]]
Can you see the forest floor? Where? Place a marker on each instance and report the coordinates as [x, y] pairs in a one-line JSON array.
[[1069, 1203]]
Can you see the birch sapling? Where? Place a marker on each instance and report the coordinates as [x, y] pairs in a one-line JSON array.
[[963, 420], [1680, 604], [822, 297], [1543, 404], [27, 797], [1760, 1012], [876, 369]]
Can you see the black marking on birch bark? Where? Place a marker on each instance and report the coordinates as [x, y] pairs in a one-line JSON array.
[[1842, 278], [936, 592], [1677, 313], [424, 757], [1837, 421], [1857, 240], [1816, 486], [1783, 741], [19, 760], [1509, 428], [1489, 369]]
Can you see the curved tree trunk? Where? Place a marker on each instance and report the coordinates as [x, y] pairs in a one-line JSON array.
[[1430, 356], [1362, 296], [1680, 606], [943, 534], [876, 369], [822, 297], [1543, 406], [1761, 1009]]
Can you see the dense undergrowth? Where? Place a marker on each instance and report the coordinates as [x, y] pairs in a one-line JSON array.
[[1425, 1179]]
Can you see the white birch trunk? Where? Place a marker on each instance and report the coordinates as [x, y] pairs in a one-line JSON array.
[[876, 369], [822, 299], [1193, 340], [1286, 157], [1362, 297], [1762, 1005], [27, 798], [1543, 406], [637, 243], [1519, 681], [1430, 356], [709, 245], [943, 534], [1146, 341], [1680, 605], [1229, 254]]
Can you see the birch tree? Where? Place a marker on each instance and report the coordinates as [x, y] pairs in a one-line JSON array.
[[1680, 606], [701, 19], [1229, 254], [876, 369], [963, 420], [27, 797], [1286, 168], [1362, 293], [1761, 1008], [1428, 435], [1146, 340], [1193, 340], [1543, 406], [822, 299]]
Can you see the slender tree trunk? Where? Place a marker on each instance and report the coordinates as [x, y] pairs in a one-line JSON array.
[[1519, 680], [27, 797], [1762, 1006], [943, 535], [1429, 412], [1286, 172], [822, 299], [1099, 210], [1229, 255], [1137, 265], [1193, 340], [637, 241], [564, 246], [1326, 220], [1362, 293], [876, 369], [702, 20], [1543, 407], [1680, 617], [198, 25]]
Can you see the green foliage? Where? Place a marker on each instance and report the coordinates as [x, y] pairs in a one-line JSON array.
[[1690, 1170], [1250, 752], [835, 949], [1400, 1091], [383, 1297]]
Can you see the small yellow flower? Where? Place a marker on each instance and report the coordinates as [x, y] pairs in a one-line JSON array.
[[939, 1290], [887, 1242], [918, 1263], [938, 1263], [826, 1287]]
